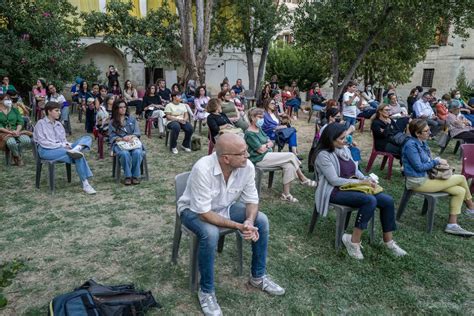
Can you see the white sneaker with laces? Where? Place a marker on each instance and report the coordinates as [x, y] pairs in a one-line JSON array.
[[353, 249], [174, 150], [469, 213], [267, 285], [209, 304], [186, 149], [74, 154], [455, 229], [89, 189], [395, 249]]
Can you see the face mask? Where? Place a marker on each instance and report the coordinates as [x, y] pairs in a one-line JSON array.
[[337, 120], [457, 96], [259, 122], [7, 103]]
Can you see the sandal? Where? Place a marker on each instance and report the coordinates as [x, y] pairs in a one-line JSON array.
[[288, 198], [309, 183]]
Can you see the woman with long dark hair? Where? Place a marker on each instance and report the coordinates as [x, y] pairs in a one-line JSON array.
[[124, 128], [130, 96], [39, 92], [115, 89], [153, 107], [200, 103], [335, 168]]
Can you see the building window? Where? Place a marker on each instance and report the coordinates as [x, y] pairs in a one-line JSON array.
[[427, 80]]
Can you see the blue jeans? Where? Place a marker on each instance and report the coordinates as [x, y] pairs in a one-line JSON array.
[[130, 160], [317, 107], [175, 127], [208, 236], [60, 154], [292, 141], [367, 203], [64, 114], [469, 117], [350, 121], [374, 104], [294, 103], [367, 113]]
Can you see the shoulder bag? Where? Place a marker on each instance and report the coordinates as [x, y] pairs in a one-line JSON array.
[[135, 143]]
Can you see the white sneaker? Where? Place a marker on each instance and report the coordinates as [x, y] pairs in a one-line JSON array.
[[469, 213], [74, 154], [89, 189], [353, 249], [266, 284], [209, 304], [174, 150], [186, 149], [455, 229], [395, 249]]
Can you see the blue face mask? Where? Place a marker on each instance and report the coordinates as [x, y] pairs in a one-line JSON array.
[[259, 122]]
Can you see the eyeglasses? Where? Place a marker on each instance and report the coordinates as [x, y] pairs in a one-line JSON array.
[[244, 153], [386, 110], [426, 130]]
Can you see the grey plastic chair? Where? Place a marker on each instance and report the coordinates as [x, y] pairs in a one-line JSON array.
[[259, 171], [343, 215], [51, 164], [180, 186], [429, 205]]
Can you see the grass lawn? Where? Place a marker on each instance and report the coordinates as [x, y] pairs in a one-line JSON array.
[[52, 244]]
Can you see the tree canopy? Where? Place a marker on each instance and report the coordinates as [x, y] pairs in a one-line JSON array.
[[380, 40], [290, 63], [153, 39], [40, 38], [249, 25]]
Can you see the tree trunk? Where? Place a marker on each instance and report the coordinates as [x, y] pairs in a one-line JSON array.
[[199, 24], [187, 37], [336, 90], [203, 50], [378, 27], [261, 68], [250, 69]]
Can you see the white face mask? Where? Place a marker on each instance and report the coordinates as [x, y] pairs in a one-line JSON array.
[[7, 103], [457, 96]]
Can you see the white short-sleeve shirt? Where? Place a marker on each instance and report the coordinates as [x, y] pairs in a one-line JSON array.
[[206, 189], [349, 110]]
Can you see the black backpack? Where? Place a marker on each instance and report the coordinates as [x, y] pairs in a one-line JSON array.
[[93, 299]]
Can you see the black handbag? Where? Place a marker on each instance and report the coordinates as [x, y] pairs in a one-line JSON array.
[[398, 139]]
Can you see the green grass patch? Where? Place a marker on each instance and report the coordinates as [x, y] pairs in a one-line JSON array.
[[124, 234]]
